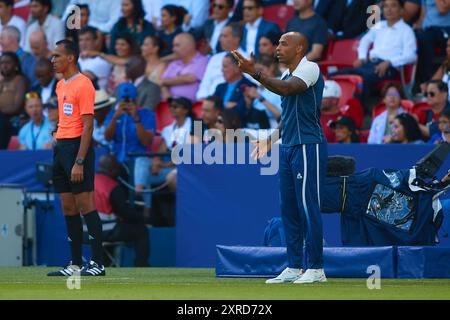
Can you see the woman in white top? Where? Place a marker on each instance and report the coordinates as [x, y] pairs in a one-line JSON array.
[[380, 131]]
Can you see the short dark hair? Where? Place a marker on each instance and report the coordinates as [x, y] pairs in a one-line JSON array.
[[85, 6], [401, 3], [128, 38], [273, 36], [230, 3], [258, 3], [9, 3], [15, 59], [217, 102], [45, 3], [70, 47], [230, 56], [442, 86], [89, 29], [176, 11], [236, 29]]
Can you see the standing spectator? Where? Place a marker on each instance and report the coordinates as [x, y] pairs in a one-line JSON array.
[[212, 28], [171, 20], [345, 130], [444, 129], [381, 127], [149, 93], [263, 99], [103, 14], [229, 40], [434, 24], [330, 111], [405, 129], [13, 86], [232, 90], [52, 26], [132, 22], [151, 50], [7, 18], [10, 41], [255, 26], [120, 221], [102, 107], [94, 67], [39, 45], [437, 98], [37, 133], [182, 76], [443, 73], [312, 26], [45, 75], [394, 45]]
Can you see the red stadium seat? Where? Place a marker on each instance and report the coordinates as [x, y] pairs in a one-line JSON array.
[[163, 116], [379, 108], [197, 109], [354, 110], [350, 85], [14, 143], [406, 78], [364, 136], [153, 147], [340, 55], [23, 12], [279, 14], [419, 111]]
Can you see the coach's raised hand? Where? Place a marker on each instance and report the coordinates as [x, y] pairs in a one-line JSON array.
[[246, 65]]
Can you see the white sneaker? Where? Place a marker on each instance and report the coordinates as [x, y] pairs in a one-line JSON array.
[[312, 275], [288, 275]]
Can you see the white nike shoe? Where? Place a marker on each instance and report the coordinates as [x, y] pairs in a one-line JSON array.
[[311, 276], [288, 275]]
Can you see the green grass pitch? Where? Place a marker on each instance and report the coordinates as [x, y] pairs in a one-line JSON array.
[[193, 284]]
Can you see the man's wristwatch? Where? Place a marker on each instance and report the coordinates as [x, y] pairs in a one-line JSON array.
[[257, 75], [79, 161]]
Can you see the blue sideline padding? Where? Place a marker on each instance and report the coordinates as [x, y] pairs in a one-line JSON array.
[[423, 262], [254, 262]]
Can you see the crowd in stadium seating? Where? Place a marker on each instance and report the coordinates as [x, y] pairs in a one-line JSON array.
[[162, 63]]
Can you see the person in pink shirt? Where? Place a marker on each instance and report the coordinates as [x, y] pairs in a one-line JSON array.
[[182, 76]]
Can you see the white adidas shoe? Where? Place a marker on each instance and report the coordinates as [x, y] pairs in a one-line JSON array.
[[288, 275], [311, 276]]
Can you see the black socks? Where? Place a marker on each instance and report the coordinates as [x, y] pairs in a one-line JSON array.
[[75, 233], [94, 226]]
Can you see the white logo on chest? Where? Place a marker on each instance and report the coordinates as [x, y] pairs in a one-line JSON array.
[[68, 109]]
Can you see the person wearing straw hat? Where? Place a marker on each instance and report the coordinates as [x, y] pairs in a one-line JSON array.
[[102, 106]]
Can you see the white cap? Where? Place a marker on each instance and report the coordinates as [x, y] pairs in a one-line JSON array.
[[332, 89]]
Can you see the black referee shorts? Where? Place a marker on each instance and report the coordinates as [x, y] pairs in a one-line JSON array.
[[64, 156]]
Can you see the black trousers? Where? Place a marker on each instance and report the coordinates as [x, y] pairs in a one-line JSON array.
[[131, 232]]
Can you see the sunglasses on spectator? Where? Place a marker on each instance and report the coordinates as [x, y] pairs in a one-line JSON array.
[[430, 94], [219, 6], [32, 95], [392, 94], [248, 8]]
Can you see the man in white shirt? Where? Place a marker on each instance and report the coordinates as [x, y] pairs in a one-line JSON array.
[[95, 68], [229, 40], [8, 19], [52, 26], [394, 45]]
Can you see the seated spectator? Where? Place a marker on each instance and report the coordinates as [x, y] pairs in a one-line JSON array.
[[268, 43], [330, 111], [84, 21], [255, 26], [444, 129], [232, 90], [94, 67], [405, 129], [102, 107], [211, 108], [182, 76], [120, 221], [381, 128], [211, 30], [13, 85], [51, 25], [132, 22], [51, 112], [45, 75], [332, 12], [394, 45], [255, 119], [7, 18], [263, 99], [353, 18], [9, 41], [229, 41], [345, 130], [39, 45], [37, 133], [443, 73], [177, 133], [149, 93], [151, 50], [228, 122], [437, 98], [125, 48], [171, 20], [312, 26], [434, 26], [411, 11], [103, 14]]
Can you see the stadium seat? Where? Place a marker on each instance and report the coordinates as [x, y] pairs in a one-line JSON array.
[[351, 85], [364, 136], [163, 116], [153, 147], [197, 109], [279, 14], [419, 111], [14, 143], [354, 110], [379, 108], [340, 55], [22, 12], [406, 78]]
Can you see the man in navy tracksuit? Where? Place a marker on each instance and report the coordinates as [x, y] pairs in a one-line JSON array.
[[303, 156]]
